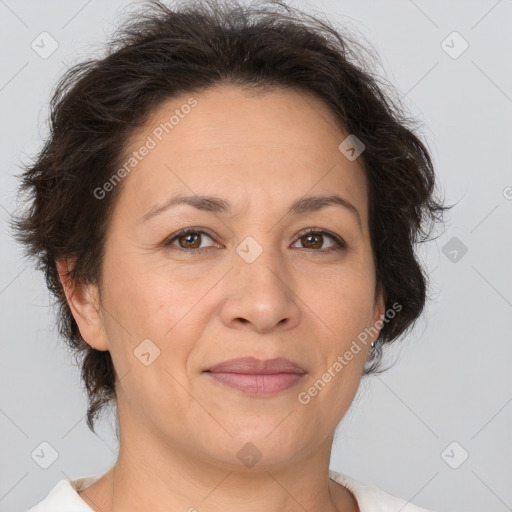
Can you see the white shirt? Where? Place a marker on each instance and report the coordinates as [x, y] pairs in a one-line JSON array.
[[64, 496]]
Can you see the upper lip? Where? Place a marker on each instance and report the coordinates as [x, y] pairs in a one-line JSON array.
[[252, 365]]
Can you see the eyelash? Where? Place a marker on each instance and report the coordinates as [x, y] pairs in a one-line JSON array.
[[340, 243]]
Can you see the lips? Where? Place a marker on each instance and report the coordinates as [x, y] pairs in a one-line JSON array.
[[257, 377], [253, 366]]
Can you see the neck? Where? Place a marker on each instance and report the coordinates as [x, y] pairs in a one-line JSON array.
[[137, 485], [157, 472]]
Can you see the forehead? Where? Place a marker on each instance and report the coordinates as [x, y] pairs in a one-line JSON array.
[[228, 114], [264, 147]]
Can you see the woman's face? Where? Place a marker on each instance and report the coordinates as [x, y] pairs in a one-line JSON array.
[[244, 282]]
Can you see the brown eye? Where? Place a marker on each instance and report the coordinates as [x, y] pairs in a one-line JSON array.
[[315, 239], [188, 239], [312, 241]]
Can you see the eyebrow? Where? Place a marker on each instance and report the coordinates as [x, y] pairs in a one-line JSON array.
[[218, 205]]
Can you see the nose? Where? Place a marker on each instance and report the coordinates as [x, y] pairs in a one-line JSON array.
[[260, 296]]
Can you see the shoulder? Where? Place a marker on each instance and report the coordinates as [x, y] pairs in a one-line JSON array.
[[64, 496], [373, 499]]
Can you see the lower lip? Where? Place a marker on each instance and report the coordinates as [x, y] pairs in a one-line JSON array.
[[268, 384]]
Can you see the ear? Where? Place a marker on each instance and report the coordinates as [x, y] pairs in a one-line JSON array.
[[85, 305]]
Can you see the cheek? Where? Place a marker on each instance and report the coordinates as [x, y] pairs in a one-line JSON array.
[[149, 302], [346, 306], [345, 301]]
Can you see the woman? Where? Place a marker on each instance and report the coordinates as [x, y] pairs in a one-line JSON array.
[[226, 211]]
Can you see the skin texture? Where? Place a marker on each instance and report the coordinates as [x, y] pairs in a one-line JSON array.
[[180, 431]]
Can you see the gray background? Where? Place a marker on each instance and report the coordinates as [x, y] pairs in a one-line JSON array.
[[452, 379]]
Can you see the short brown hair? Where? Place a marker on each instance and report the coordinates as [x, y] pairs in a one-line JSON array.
[[163, 52]]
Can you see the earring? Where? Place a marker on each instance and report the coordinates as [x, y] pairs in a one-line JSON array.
[[374, 355]]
